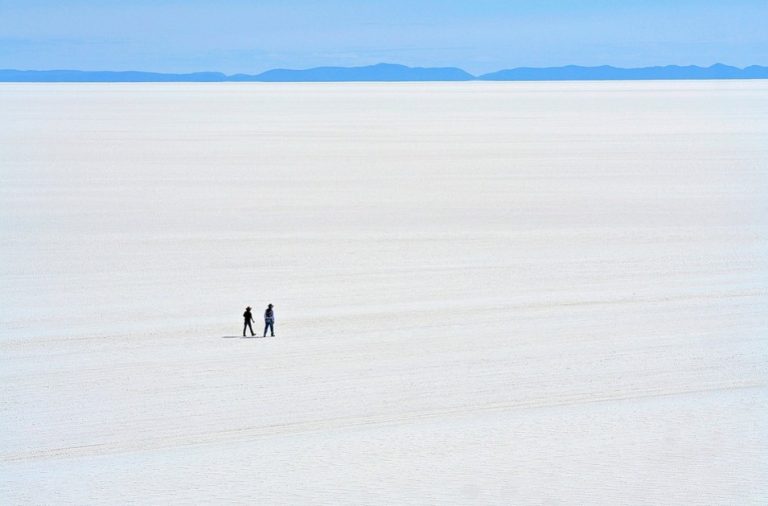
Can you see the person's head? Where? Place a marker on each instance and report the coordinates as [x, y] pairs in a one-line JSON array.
[[270, 306], [248, 308]]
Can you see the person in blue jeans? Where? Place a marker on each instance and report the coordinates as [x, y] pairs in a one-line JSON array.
[[269, 321]]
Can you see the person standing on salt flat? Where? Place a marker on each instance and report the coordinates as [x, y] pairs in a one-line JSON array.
[[248, 319], [269, 321]]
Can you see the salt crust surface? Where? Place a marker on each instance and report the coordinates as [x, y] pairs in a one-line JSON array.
[[488, 293]]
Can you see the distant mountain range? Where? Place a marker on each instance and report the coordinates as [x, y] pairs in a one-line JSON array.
[[380, 72], [608, 73], [392, 73]]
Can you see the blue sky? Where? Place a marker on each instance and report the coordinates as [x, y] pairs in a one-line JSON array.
[[479, 35]]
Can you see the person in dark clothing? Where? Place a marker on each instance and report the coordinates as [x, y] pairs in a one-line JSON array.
[[269, 321], [248, 319]]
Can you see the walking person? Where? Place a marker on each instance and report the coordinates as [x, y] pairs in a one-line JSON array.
[[269, 321], [248, 320]]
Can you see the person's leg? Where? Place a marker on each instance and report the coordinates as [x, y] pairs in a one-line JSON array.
[[272, 328], [250, 327], [245, 326], [266, 326]]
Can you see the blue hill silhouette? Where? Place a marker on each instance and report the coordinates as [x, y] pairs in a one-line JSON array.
[[379, 72], [392, 72], [606, 72]]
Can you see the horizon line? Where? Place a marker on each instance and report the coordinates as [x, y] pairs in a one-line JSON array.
[[397, 72]]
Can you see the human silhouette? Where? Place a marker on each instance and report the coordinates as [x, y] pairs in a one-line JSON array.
[[269, 321], [248, 319]]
